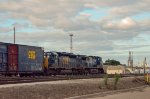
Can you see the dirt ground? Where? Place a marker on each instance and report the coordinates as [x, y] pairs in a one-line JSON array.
[[64, 90]]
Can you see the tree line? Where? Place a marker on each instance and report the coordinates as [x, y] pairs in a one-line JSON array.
[[112, 62]]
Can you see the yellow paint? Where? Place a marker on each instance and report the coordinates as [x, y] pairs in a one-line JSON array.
[[65, 60], [147, 78], [31, 54], [46, 62]]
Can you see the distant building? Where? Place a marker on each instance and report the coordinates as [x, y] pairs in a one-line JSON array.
[[141, 70], [115, 69]]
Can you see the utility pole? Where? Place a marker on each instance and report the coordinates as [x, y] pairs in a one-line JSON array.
[[71, 45], [14, 35], [132, 61], [129, 59], [144, 63]]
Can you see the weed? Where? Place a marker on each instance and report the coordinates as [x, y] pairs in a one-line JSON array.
[[106, 79], [116, 78]]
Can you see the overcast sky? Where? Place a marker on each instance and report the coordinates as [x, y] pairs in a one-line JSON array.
[[107, 28]]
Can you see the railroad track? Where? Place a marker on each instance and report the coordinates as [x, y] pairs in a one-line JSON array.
[[15, 80]]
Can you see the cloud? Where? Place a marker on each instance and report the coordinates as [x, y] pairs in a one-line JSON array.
[[144, 25], [48, 23], [124, 24], [138, 6], [4, 30]]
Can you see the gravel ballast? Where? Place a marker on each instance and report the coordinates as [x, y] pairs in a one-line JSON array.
[[64, 89]]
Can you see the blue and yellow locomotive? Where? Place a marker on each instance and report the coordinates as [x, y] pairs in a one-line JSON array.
[[69, 63]]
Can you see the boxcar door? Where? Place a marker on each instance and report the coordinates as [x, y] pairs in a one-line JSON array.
[[12, 58]]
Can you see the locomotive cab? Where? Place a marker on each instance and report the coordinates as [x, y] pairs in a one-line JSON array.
[[52, 58]]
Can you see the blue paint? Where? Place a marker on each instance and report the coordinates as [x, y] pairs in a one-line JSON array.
[[141, 16], [29, 63], [96, 13], [3, 56]]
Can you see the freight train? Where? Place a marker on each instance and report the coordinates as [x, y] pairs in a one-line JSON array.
[[24, 60]]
